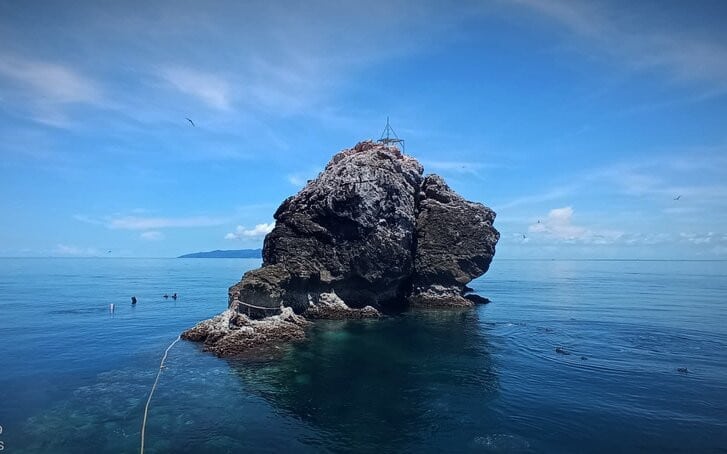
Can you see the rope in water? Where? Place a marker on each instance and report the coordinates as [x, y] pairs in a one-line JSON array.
[[148, 401]]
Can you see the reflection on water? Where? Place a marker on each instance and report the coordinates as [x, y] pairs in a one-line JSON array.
[[401, 383], [383, 384]]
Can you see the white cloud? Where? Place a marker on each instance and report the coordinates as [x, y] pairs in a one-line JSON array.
[[695, 238], [558, 225], [211, 89], [260, 230], [152, 235], [557, 230]]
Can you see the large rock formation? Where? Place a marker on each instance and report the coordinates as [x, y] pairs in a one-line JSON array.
[[369, 235]]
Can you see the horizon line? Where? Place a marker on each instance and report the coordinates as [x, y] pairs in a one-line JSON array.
[[593, 259]]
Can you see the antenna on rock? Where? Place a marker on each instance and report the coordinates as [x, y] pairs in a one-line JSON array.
[[389, 137]]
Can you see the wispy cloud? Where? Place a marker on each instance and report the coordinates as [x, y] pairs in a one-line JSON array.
[[703, 238], [211, 89], [636, 45], [537, 198], [300, 178], [260, 230], [465, 167], [152, 235], [150, 223], [75, 251], [146, 223], [88, 219], [49, 82], [296, 180], [277, 58], [695, 176], [43, 89]]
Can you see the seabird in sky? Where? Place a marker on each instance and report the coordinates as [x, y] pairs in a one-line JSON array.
[[191, 122]]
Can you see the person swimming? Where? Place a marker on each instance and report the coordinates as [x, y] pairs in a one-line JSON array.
[[133, 300], [165, 296], [174, 296]]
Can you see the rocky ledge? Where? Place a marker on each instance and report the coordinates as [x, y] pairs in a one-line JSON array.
[[369, 235], [233, 333]]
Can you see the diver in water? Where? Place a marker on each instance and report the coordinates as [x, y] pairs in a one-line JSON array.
[[133, 300]]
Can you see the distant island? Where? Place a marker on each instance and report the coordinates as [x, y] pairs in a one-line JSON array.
[[232, 254]]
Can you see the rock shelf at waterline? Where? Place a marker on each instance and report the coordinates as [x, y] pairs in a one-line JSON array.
[[369, 236]]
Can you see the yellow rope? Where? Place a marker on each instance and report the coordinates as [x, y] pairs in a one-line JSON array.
[[148, 401]]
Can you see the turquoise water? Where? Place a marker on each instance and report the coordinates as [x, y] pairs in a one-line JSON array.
[[75, 378]]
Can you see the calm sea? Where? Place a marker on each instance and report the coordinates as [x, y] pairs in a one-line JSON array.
[[75, 378]]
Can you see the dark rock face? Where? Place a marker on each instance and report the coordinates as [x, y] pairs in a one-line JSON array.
[[369, 234], [455, 244], [350, 231]]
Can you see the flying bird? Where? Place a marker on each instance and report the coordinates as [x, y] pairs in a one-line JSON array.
[[191, 122], [678, 197]]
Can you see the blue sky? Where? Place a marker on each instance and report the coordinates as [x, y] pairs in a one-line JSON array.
[[578, 122]]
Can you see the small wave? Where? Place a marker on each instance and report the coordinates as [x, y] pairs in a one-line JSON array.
[[502, 443]]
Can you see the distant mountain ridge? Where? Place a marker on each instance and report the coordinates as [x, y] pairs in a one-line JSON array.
[[231, 254]]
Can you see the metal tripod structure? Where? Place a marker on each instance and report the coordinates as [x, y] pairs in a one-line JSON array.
[[389, 137]]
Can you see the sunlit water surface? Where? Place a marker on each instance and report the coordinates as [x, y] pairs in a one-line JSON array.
[[75, 378]]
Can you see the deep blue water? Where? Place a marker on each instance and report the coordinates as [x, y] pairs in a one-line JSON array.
[[74, 378]]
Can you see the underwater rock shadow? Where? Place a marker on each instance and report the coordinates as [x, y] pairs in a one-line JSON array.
[[381, 384]]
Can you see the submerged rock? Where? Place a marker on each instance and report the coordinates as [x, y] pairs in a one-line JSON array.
[[369, 235]]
